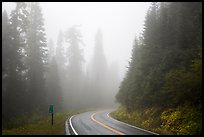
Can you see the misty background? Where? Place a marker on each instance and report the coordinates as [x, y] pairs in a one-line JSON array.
[[143, 58], [89, 47], [120, 23], [79, 58]]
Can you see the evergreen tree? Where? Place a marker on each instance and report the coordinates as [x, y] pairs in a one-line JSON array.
[[61, 63], [5, 68], [160, 69], [51, 49], [74, 54], [13, 67], [60, 51], [54, 92], [112, 84], [37, 58], [99, 71]]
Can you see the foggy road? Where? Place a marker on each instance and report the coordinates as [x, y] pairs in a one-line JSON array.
[[100, 123]]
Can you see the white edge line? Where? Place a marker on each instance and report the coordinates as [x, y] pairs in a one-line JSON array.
[[132, 125], [66, 127], [72, 125]]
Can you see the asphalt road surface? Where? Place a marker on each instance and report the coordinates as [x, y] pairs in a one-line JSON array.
[[100, 123]]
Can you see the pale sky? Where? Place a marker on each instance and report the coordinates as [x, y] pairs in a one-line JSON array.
[[120, 22]]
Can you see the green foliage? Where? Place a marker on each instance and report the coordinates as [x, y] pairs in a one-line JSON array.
[[182, 120], [12, 77], [37, 58], [166, 66], [22, 119], [143, 118], [24, 56], [42, 125], [187, 82]]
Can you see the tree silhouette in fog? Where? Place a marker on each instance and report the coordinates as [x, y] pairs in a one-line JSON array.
[[75, 59]]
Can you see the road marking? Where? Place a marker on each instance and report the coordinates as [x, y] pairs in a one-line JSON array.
[[66, 128], [70, 121], [114, 130], [131, 125]]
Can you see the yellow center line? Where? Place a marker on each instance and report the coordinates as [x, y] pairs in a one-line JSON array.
[[114, 130]]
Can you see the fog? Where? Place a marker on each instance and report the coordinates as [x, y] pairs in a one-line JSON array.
[[90, 43], [120, 22]]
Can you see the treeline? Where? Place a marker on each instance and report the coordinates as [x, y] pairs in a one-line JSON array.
[[165, 70], [35, 74], [24, 62], [84, 86]]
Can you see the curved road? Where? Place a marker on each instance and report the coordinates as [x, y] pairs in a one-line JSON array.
[[100, 123]]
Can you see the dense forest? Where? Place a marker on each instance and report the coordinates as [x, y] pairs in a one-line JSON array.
[[165, 72], [37, 73], [161, 90]]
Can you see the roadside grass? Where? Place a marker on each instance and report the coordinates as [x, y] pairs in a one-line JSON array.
[[43, 126], [142, 118], [182, 120]]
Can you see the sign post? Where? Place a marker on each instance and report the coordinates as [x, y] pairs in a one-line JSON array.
[[51, 111]]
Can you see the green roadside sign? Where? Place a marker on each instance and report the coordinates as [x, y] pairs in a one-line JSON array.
[[51, 109]]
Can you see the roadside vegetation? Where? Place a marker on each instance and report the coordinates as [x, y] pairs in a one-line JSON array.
[[162, 88], [172, 121], [42, 125]]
